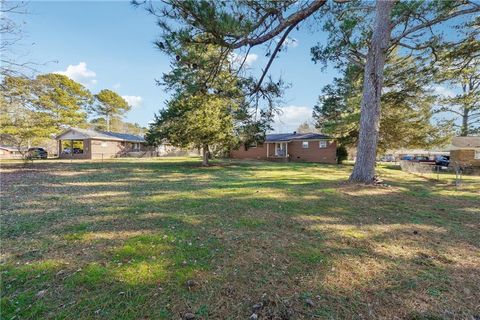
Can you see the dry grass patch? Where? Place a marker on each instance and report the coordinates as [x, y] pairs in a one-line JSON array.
[[156, 238]]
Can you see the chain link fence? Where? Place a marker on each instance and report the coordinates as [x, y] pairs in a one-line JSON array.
[[458, 173]]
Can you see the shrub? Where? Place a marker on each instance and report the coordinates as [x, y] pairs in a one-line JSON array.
[[342, 154]]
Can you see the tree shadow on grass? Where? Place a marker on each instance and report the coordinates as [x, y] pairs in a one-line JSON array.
[[121, 240]]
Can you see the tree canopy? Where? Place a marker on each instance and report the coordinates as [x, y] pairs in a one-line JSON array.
[[201, 111], [64, 99], [35, 109], [109, 104], [117, 125], [407, 108], [459, 70]]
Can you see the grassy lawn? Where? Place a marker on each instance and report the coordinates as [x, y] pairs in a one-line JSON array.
[[155, 239]]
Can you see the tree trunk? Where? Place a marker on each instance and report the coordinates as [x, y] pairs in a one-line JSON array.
[[467, 89], [464, 129], [205, 155], [364, 169]]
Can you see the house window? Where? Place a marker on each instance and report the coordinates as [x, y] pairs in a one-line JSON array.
[[322, 144], [477, 155], [305, 144]]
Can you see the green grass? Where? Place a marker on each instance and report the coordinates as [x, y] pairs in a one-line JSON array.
[[156, 238]]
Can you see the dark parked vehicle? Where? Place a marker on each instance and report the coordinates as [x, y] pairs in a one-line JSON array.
[[422, 159], [37, 153], [443, 161], [407, 158]]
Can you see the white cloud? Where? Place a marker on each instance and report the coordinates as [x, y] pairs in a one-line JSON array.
[[251, 58], [80, 73], [237, 59], [291, 117], [134, 101], [444, 92], [290, 43]]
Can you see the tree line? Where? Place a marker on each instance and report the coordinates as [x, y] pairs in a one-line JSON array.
[[33, 109]]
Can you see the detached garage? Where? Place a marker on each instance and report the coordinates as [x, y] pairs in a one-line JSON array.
[[77, 143]]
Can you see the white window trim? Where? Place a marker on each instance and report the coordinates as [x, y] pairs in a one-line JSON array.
[[303, 144], [320, 144], [476, 154]]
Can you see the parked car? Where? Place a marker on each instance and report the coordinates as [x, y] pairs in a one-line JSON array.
[[443, 161], [407, 158], [37, 153], [422, 159], [75, 151], [387, 158]]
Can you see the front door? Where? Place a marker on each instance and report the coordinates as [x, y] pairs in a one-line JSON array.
[[280, 149]]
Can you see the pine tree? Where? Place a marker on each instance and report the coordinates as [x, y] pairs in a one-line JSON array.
[[109, 104], [459, 68], [200, 112], [407, 107]]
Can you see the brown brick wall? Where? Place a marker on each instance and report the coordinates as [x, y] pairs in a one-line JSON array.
[[464, 156], [259, 152], [313, 153], [297, 153], [5, 154], [105, 149]]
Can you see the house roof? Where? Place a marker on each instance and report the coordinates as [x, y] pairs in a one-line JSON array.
[[469, 142], [103, 135], [294, 136]]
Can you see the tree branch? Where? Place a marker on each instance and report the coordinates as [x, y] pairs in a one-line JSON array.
[[277, 48], [433, 22], [291, 20]]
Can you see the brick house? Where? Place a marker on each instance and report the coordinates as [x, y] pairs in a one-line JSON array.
[[306, 147], [76, 143], [10, 153], [465, 151]]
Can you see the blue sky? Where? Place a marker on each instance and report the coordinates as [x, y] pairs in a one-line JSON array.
[[110, 45]]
